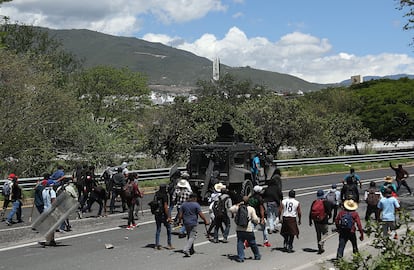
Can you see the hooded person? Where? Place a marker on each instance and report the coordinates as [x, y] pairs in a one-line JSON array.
[[347, 222], [273, 196]]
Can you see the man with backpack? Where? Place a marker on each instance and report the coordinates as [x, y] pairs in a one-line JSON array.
[[350, 191], [334, 197], [16, 197], [245, 218], [319, 214], [347, 221], [162, 216], [256, 201], [220, 209], [372, 196], [355, 178], [130, 193], [119, 182], [6, 192]]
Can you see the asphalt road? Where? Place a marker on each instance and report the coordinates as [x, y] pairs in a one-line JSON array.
[[85, 246]]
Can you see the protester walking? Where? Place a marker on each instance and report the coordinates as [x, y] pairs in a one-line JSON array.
[[319, 214], [292, 214], [273, 197], [162, 217], [334, 197], [401, 176], [6, 192], [189, 213], [181, 195], [16, 197], [245, 218], [256, 201], [130, 194], [221, 217], [388, 206], [372, 196], [347, 223], [49, 197]]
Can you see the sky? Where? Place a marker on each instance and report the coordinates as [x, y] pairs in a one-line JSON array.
[[319, 41]]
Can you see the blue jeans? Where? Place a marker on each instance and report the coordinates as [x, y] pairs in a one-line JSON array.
[[191, 237], [249, 237], [17, 209], [159, 220], [272, 214]]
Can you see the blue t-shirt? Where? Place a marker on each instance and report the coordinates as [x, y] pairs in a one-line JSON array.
[[57, 174], [255, 165], [388, 206], [190, 212]]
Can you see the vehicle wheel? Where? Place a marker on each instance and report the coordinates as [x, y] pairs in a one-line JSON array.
[[247, 188]]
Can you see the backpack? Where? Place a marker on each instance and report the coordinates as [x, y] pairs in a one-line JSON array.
[[6, 188], [318, 210], [350, 192], [129, 190], [219, 208], [372, 197], [242, 216], [331, 197], [346, 221], [156, 206]]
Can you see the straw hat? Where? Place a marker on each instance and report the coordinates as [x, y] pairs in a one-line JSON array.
[[350, 205], [219, 186], [182, 183], [388, 179]]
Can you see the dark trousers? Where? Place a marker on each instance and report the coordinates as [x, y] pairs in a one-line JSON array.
[[370, 210], [344, 236], [131, 207], [403, 182], [115, 193], [250, 238]]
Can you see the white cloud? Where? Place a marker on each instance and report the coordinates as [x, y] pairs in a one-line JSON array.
[[117, 17], [308, 57], [298, 54]]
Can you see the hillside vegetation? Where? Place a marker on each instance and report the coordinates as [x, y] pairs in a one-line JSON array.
[[164, 65]]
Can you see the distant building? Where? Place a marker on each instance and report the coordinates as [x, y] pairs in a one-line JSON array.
[[216, 69], [357, 79]]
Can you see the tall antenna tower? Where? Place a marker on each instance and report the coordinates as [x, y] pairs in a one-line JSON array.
[[216, 69]]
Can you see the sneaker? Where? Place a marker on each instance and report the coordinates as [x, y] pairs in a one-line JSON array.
[[267, 244], [186, 254], [8, 223], [225, 240], [158, 247], [134, 225], [130, 227], [320, 251], [215, 241], [170, 247], [257, 257], [239, 260]]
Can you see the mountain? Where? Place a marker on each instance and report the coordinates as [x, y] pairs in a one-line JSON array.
[[370, 78], [168, 69]]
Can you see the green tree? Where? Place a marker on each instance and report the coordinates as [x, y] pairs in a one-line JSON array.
[[407, 5], [40, 120], [388, 108], [110, 93]]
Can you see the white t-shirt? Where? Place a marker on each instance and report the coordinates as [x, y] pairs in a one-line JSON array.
[[48, 194], [290, 207]]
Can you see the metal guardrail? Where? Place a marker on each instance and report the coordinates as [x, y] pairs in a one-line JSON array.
[[150, 174]]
